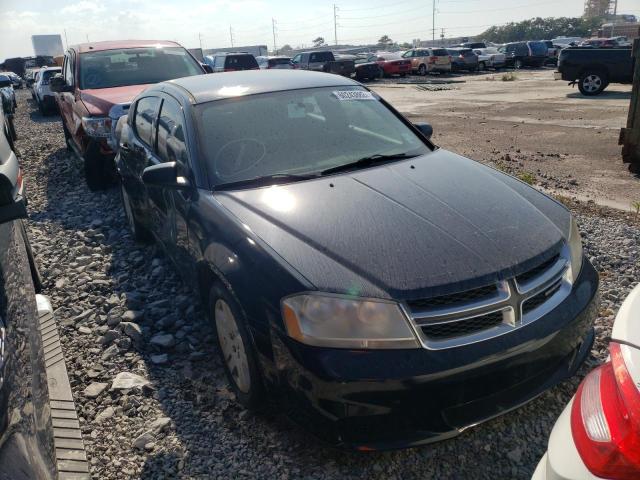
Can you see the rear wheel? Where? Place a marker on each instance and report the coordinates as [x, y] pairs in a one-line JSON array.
[[236, 348], [67, 137], [482, 66], [11, 129], [422, 70], [41, 108], [99, 172], [518, 64], [592, 83]]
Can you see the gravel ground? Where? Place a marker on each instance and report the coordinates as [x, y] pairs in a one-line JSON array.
[[122, 308]]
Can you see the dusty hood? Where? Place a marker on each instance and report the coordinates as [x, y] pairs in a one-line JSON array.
[[98, 101], [402, 232]]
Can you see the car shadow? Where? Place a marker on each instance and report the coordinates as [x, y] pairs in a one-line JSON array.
[[210, 434], [605, 95]]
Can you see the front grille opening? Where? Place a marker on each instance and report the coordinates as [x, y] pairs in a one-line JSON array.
[[539, 299], [536, 271], [445, 331], [455, 298]]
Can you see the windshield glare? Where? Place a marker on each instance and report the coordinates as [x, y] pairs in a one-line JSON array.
[[299, 132], [135, 66]]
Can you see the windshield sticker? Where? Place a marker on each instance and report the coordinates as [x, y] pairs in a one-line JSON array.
[[346, 95]]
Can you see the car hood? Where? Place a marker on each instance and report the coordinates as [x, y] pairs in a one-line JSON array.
[[100, 100], [411, 229]]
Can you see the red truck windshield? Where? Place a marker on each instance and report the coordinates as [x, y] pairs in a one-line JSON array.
[[135, 66]]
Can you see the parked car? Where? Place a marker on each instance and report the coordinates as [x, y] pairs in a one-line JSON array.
[[598, 433], [280, 63], [8, 98], [367, 68], [323, 61], [392, 63], [566, 41], [599, 43], [370, 338], [27, 448], [29, 77], [463, 59], [621, 41], [44, 96], [231, 62], [490, 58], [593, 69], [525, 54], [552, 52], [473, 45], [15, 79], [428, 60], [99, 81]]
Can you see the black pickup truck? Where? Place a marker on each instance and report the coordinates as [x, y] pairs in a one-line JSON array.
[[323, 61], [595, 68]]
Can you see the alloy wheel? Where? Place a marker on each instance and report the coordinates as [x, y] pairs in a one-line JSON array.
[[592, 83], [233, 349], [422, 70]]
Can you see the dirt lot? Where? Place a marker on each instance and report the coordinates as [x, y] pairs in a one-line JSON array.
[[533, 124]]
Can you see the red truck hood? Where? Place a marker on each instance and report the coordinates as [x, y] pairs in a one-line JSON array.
[[100, 100]]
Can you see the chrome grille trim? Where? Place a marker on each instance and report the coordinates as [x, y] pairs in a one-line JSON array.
[[509, 299]]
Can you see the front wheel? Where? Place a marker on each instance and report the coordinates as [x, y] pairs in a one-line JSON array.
[[592, 83], [482, 66], [518, 64], [236, 348], [138, 231], [422, 70]]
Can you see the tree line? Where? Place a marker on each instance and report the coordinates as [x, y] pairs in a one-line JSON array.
[[541, 29]]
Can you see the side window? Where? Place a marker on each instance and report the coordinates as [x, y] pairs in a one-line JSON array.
[[296, 59], [407, 54], [172, 146], [146, 111], [219, 62], [68, 69], [313, 58]]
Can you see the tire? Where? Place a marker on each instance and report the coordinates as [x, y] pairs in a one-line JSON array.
[[402, 75], [11, 130], [422, 69], [518, 64], [482, 66], [592, 83], [236, 348], [138, 231], [96, 170], [634, 168], [41, 108], [67, 137]]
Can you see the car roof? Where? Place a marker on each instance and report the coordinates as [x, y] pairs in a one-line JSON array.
[[210, 87], [118, 44]]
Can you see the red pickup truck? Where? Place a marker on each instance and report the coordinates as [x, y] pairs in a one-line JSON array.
[[98, 82]]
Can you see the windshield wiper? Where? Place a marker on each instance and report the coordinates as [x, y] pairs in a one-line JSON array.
[[367, 161], [263, 180]]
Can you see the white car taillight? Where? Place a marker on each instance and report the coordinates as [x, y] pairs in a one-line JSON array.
[[605, 420]]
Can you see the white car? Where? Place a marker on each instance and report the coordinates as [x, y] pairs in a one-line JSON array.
[[490, 58], [44, 97], [598, 434]]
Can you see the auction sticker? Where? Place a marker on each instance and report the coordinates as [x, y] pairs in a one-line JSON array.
[[343, 95]]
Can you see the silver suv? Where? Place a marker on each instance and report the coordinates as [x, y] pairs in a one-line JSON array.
[[44, 97]]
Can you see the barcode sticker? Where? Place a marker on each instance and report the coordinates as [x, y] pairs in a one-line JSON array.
[[343, 95]]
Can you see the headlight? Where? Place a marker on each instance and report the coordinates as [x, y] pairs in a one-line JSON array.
[[575, 250], [97, 126], [327, 320]]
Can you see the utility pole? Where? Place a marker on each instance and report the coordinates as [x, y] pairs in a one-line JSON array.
[[66, 41], [335, 23], [273, 28], [442, 38], [200, 39], [231, 35], [433, 21]]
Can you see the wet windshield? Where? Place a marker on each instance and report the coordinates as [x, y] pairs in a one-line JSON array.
[[135, 66], [298, 132]]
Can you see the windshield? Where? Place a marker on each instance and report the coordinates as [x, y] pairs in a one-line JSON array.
[[298, 132], [135, 66]]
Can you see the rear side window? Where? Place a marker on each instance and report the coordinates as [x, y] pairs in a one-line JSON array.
[[145, 118], [241, 62], [171, 135], [538, 48], [321, 57], [279, 61], [440, 52]]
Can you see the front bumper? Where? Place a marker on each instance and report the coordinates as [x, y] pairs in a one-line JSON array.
[[385, 399]]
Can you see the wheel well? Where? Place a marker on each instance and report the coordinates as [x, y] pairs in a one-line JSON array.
[[595, 69]]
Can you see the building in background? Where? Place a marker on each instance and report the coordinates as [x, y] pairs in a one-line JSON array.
[[47, 45], [255, 50]]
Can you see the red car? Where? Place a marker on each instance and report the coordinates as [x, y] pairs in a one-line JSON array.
[[99, 81], [392, 63]]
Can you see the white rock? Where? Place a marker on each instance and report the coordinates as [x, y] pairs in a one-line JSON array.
[[95, 389], [126, 380]]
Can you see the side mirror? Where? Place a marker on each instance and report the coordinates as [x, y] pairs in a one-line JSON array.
[[164, 175], [207, 68], [57, 84], [13, 203], [425, 129]]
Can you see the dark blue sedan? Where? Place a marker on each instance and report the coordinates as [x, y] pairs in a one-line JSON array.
[[387, 292]]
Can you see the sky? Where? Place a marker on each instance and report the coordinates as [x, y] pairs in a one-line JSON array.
[[212, 24]]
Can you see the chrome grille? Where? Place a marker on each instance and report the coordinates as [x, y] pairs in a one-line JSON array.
[[479, 314]]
